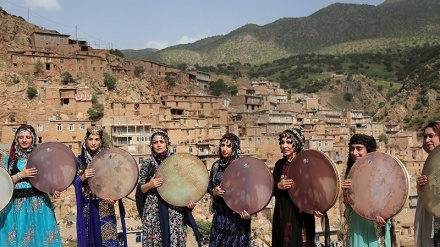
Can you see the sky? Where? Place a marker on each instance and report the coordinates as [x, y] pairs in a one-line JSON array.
[[139, 24]]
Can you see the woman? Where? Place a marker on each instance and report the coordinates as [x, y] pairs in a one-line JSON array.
[[290, 226], [96, 219], [228, 227], [162, 224], [425, 223], [28, 219], [360, 231]]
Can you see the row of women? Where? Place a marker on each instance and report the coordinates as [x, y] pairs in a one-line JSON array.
[[29, 220]]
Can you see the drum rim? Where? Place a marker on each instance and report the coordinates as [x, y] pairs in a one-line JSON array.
[[425, 190], [161, 189], [4, 172], [103, 153], [335, 169], [407, 187], [269, 176]]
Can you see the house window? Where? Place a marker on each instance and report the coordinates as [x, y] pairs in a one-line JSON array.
[[39, 127], [59, 127], [201, 105], [61, 39], [61, 60], [52, 38], [174, 149], [82, 126], [71, 127], [138, 237], [190, 104], [190, 149], [41, 37], [92, 62], [187, 132], [78, 61]]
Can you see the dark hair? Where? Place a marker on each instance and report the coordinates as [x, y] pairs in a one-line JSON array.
[[435, 125], [368, 141]]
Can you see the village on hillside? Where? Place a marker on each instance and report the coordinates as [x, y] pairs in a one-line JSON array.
[[194, 119]]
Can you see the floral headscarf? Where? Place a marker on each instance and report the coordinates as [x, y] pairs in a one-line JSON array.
[[296, 135], [235, 148], [17, 152], [158, 158]]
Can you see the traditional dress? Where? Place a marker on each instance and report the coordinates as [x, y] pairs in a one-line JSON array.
[[360, 231], [96, 219], [162, 224], [28, 219], [290, 227], [228, 229]]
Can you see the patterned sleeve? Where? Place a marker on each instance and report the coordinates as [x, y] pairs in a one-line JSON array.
[[146, 172], [211, 186]]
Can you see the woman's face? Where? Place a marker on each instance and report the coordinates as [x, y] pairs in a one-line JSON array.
[[430, 139], [287, 147], [25, 139], [159, 144], [357, 151], [93, 142], [226, 148]]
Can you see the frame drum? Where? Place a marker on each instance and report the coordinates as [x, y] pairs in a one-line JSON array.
[[430, 192], [7, 188], [316, 181], [379, 186], [185, 178], [56, 165], [248, 185], [116, 174]]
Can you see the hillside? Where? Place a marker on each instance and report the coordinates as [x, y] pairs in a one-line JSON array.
[[336, 29]]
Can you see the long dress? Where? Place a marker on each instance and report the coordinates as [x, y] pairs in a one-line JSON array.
[[227, 229], [290, 227], [28, 221], [366, 233], [98, 224], [151, 219]]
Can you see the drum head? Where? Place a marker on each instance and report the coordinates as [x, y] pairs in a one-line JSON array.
[[7, 188], [316, 181], [379, 186], [429, 192], [56, 165], [248, 185], [116, 174], [185, 178]]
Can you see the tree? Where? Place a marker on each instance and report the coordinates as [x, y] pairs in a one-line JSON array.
[[139, 70], [171, 81], [383, 138], [31, 92], [96, 111], [117, 52], [348, 97], [66, 77], [38, 67], [109, 81], [218, 87]]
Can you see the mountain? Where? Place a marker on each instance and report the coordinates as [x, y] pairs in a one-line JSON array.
[[338, 28]]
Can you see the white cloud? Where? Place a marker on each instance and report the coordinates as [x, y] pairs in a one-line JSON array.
[[49, 5], [157, 44], [187, 40]]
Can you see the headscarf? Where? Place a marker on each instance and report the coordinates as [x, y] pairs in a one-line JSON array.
[[368, 141], [158, 158], [235, 149], [17, 152], [86, 153], [296, 135]]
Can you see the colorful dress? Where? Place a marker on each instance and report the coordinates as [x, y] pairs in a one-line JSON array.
[[228, 229], [28, 219], [366, 233], [290, 227], [96, 219], [155, 214]]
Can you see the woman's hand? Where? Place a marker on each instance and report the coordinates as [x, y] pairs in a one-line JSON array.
[[28, 172], [318, 214], [244, 215], [110, 201], [191, 204], [88, 173], [346, 184], [285, 183], [155, 182], [421, 181], [55, 194], [218, 191], [380, 221]]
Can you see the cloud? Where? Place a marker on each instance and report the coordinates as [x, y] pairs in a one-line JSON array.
[[49, 5], [157, 44], [182, 40], [187, 40]]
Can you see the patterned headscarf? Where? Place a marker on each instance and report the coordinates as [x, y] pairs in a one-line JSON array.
[[158, 158], [296, 135], [235, 148], [368, 141], [86, 154], [17, 152]]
